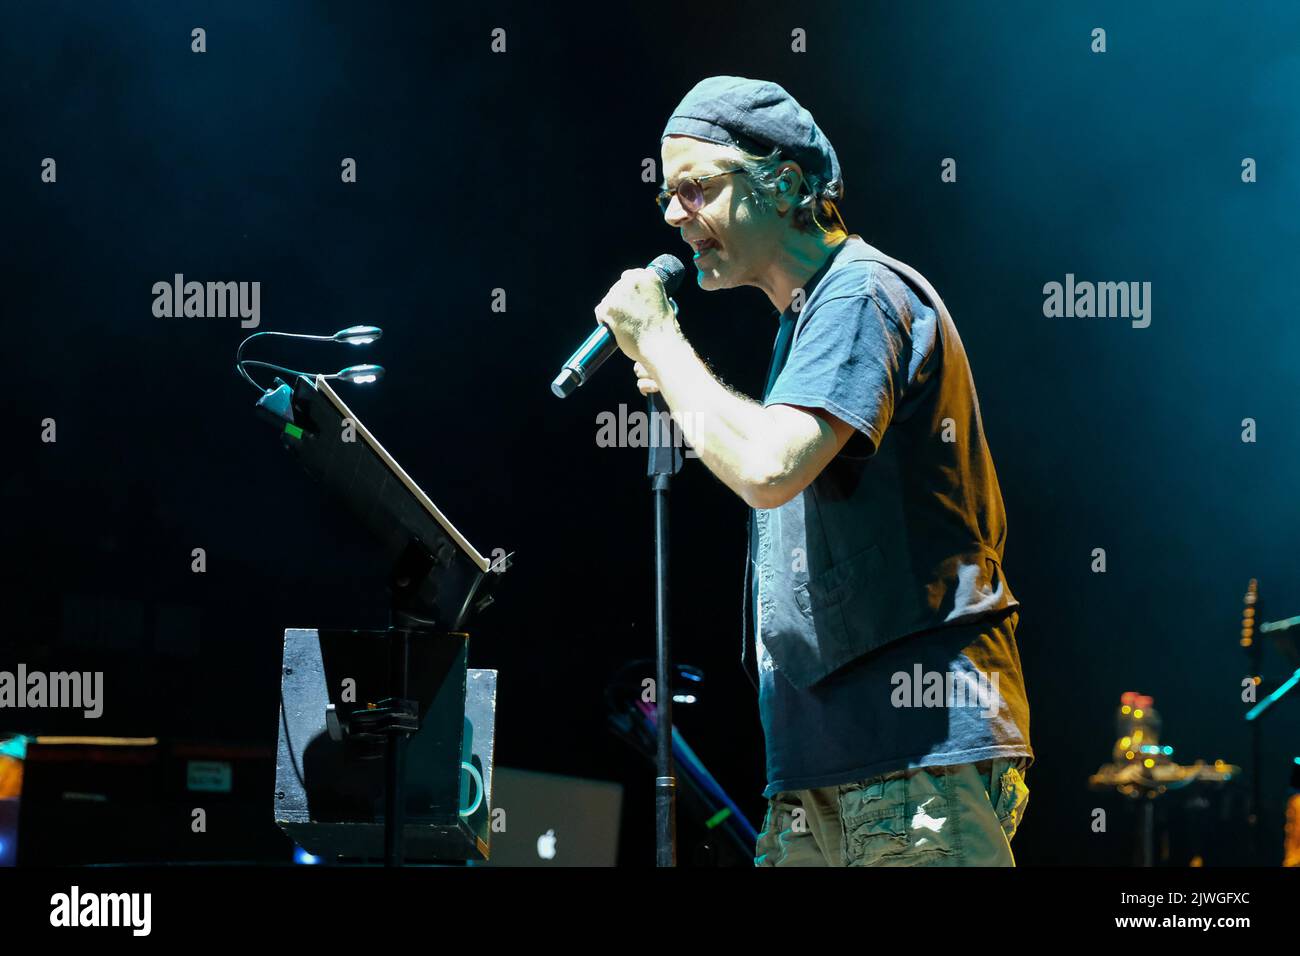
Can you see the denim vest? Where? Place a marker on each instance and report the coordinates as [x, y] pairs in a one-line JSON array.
[[882, 545]]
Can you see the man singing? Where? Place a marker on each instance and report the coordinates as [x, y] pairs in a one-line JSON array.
[[890, 690]]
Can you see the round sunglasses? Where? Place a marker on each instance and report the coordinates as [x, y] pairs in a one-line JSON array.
[[689, 192]]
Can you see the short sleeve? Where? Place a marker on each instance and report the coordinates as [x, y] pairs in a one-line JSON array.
[[848, 358]]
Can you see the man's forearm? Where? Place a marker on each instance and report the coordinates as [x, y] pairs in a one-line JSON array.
[[731, 433]]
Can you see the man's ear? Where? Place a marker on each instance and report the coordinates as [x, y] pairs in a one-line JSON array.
[[788, 183]]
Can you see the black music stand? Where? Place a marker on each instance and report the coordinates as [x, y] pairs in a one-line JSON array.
[[437, 580]]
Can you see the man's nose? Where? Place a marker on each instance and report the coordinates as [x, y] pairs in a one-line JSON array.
[[676, 213]]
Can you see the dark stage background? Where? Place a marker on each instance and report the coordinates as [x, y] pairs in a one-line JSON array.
[[522, 171]]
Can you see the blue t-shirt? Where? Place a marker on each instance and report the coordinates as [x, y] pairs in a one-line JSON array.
[[942, 695]]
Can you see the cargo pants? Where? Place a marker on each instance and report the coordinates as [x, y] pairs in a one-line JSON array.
[[959, 815]]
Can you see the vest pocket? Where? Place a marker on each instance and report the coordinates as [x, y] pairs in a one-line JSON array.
[[851, 576], [830, 621], [841, 608]]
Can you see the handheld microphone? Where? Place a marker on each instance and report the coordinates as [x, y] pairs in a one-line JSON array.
[[601, 343]]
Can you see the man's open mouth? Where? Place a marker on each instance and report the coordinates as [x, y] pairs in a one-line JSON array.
[[702, 246]]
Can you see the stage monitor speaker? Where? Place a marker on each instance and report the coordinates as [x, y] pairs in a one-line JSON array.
[[329, 781]]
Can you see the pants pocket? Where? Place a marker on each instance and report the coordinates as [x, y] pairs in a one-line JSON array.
[[897, 820], [766, 850], [1013, 798], [786, 838]]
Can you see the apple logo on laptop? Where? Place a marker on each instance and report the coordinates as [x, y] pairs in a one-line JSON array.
[[546, 845]]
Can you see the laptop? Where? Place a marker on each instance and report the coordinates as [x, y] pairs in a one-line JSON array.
[[542, 819]]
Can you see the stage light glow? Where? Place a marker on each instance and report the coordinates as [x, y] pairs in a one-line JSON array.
[[302, 856]]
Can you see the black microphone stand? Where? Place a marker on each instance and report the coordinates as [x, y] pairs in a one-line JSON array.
[[665, 461]]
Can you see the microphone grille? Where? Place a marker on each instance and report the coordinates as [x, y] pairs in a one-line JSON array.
[[670, 271]]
